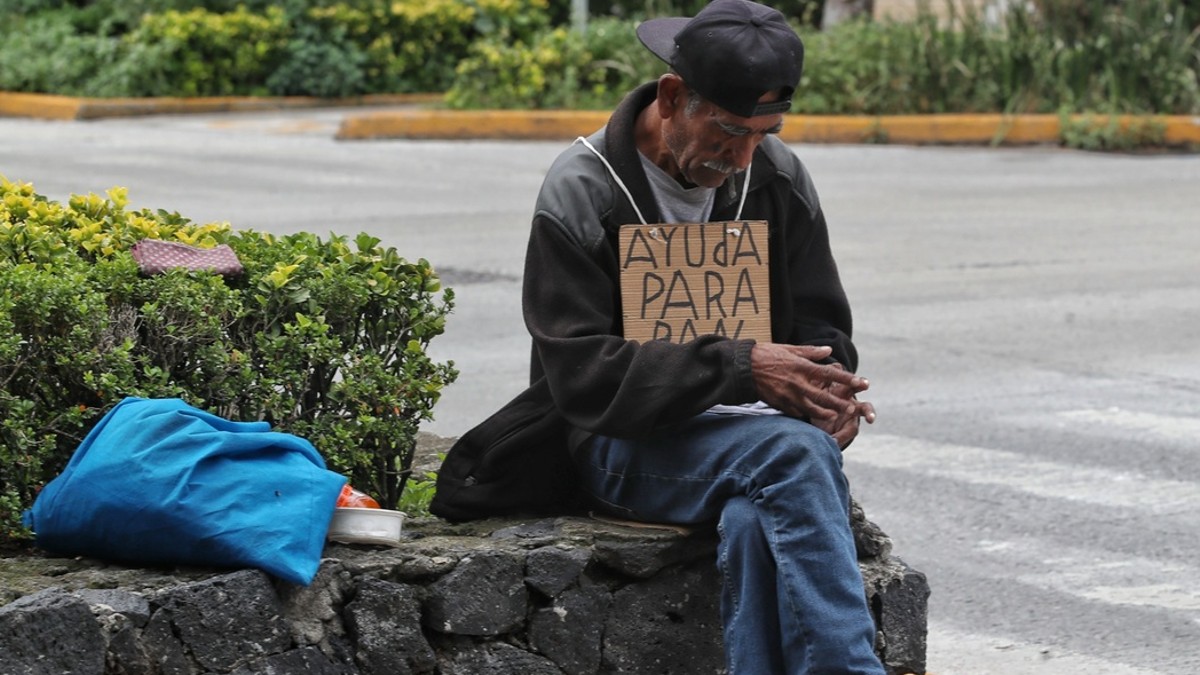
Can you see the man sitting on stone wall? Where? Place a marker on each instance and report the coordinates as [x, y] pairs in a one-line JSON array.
[[747, 435]]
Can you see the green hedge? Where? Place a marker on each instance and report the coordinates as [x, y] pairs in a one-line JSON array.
[[302, 47], [1139, 57], [1097, 56], [323, 338], [558, 68]]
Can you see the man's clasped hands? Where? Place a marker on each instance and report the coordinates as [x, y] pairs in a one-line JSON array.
[[794, 380]]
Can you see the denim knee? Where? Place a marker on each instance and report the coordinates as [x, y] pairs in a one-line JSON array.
[[739, 519], [788, 449], [742, 535]]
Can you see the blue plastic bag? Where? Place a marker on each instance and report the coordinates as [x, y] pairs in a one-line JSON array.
[[160, 482]]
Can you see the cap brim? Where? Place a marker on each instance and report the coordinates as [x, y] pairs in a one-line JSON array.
[[659, 35]]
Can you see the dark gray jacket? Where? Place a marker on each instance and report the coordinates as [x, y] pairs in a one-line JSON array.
[[585, 377]]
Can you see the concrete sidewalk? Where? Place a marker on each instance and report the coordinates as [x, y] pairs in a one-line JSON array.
[[414, 116]]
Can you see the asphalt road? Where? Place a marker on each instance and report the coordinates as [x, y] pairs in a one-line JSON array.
[[1029, 319]]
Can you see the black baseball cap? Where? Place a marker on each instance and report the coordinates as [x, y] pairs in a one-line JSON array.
[[731, 53]]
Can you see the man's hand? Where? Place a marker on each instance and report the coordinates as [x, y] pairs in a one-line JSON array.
[[790, 379], [845, 427]]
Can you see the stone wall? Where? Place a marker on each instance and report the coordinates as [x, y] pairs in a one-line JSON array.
[[567, 596]]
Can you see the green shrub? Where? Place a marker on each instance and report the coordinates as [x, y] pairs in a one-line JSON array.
[[1101, 56], [1133, 57], [411, 45], [325, 339], [319, 64], [1145, 57], [544, 74], [418, 493], [181, 49], [1109, 134], [206, 54], [1129, 58], [44, 53], [299, 47], [415, 45], [557, 69]]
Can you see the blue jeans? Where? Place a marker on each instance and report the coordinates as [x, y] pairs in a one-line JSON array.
[[792, 598]]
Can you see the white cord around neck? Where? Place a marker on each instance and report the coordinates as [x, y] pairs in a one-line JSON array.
[[745, 191], [629, 195], [620, 183]]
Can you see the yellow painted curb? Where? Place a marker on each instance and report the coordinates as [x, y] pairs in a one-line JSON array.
[[49, 106], [431, 123], [1183, 130], [473, 124], [42, 106], [921, 129], [908, 129]]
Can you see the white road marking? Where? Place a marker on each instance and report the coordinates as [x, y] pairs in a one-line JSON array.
[[1026, 473], [1092, 574], [1164, 427], [1100, 575]]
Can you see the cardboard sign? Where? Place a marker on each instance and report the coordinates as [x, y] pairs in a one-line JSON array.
[[681, 281]]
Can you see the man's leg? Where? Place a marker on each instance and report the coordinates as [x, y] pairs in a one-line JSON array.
[[790, 472], [749, 608]]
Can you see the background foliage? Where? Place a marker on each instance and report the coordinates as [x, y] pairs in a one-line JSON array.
[[324, 339], [1096, 56], [1129, 57], [215, 48]]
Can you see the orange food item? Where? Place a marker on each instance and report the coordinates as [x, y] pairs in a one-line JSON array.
[[351, 498]]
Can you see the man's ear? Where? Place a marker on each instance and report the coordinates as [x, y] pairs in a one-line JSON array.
[[672, 95]]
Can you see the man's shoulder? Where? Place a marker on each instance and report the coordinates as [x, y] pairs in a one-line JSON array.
[[576, 193], [580, 157], [789, 166]]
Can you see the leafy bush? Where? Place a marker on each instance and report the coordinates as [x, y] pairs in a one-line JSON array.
[[1110, 134], [207, 54], [317, 64], [418, 492], [545, 74], [556, 69], [301, 47], [190, 53], [1132, 57], [46, 54], [415, 45], [1100, 56], [325, 339]]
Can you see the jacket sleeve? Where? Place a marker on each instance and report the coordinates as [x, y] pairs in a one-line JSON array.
[[600, 381], [819, 312]]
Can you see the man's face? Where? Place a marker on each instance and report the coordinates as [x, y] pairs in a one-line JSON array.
[[709, 144]]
